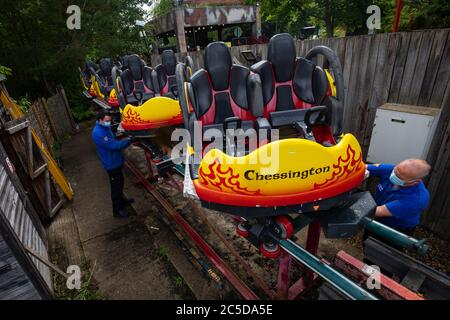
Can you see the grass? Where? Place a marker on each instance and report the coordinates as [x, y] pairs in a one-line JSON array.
[[179, 282], [88, 290], [163, 252], [24, 103], [81, 113]]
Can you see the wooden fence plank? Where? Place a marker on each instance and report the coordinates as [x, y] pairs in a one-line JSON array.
[[354, 84], [410, 66], [399, 67], [442, 77], [347, 67], [421, 66], [368, 52], [437, 217], [434, 62], [381, 84]]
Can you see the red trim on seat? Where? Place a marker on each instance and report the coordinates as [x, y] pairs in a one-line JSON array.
[[165, 89], [240, 200], [152, 125], [113, 104], [322, 133], [209, 117], [271, 106]]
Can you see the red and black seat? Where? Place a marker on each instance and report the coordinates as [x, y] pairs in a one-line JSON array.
[[166, 74], [218, 92], [104, 76], [86, 73], [291, 86], [136, 82]]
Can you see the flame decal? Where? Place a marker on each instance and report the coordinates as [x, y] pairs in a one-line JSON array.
[[132, 117], [113, 98], [177, 115], [343, 168], [224, 179]]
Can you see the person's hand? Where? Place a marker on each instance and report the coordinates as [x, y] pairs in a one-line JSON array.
[[133, 139], [366, 174]]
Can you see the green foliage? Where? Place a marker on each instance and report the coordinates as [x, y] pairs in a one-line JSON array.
[[348, 17], [81, 113], [163, 252], [421, 14], [87, 291], [5, 71], [24, 103], [43, 52], [162, 7], [179, 282]]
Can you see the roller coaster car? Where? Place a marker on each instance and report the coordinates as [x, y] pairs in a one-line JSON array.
[[316, 172], [139, 96], [87, 77], [291, 86], [166, 73], [136, 83], [103, 85]]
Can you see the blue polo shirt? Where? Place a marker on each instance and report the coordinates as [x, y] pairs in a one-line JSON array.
[[405, 203], [109, 150]]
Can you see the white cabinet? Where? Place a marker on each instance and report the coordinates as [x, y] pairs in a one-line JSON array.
[[401, 132]]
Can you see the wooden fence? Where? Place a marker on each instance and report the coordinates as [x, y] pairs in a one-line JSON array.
[[29, 139], [406, 67], [52, 119]]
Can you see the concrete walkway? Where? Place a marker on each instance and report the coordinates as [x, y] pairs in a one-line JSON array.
[[126, 258]]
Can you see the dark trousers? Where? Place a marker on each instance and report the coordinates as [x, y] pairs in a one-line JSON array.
[[116, 181]]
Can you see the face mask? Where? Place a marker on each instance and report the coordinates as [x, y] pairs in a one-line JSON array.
[[107, 123], [396, 180]]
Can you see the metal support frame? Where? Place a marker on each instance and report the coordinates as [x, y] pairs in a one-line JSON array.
[[339, 281], [411, 272], [398, 238], [360, 272], [314, 268], [216, 260]]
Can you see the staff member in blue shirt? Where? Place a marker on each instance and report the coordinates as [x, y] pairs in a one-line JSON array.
[[401, 195], [110, 152]]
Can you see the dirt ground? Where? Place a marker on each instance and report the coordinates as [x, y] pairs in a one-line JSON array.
[[126, 260], [141, 257]]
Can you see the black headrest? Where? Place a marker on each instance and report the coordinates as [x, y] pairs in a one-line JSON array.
[[105, 67], [281, 54], [136, 66], [169, 61], [89, 64], [218, 64], [125, 62]]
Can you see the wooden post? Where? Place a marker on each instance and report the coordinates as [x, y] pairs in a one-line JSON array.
[[44, 104], [256, 29], [67, 106], [41, 126], [179, 29]]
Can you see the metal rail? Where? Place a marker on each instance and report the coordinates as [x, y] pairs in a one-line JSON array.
[[229, 274], [398, 238], [335, 278]]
